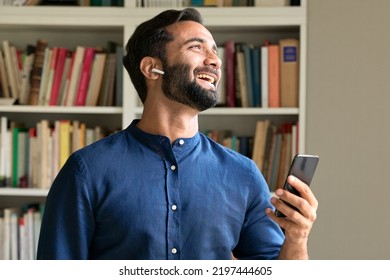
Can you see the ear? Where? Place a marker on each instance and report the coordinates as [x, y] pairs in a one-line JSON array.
[[146, 66]]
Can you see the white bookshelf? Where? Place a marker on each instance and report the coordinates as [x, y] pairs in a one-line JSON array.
[[71, 26]]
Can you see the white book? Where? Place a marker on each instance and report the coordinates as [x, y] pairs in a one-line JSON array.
[[30, 234], [17, 71], [75, 75], [264, 77], [37, 228], [8, 231], [10, 69], [23, 255], [14, 236], [3, 77], [45, 76], [25, 86], [272, 3], [222, 84]]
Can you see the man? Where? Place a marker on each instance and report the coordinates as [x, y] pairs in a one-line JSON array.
[[160, 189]]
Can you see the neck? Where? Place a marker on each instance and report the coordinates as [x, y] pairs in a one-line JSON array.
[[169, 119]]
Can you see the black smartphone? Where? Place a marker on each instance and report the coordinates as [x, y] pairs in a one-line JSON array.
[[302, 167]]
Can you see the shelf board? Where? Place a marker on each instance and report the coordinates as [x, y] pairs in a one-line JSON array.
[[61, 109], [118, 16], [19, 192], [242, 111]]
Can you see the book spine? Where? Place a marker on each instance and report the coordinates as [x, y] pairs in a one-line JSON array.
[[273, 68], [289, 72], [85, 76], [36, 72], [58, 73], [230, 73]]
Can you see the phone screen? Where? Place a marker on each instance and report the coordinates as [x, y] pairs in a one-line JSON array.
[[302, 167]]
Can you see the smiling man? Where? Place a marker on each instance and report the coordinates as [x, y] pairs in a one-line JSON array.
[[160, 189]]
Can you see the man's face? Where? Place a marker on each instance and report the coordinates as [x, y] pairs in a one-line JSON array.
[[192, 69]]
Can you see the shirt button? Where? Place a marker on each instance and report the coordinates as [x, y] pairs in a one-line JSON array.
[[174, 250], [174, 207], [173, 167], [181, 141]]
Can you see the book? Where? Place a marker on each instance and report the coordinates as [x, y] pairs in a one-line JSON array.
[[43, 134], [36, 71], [3, 78], [45, 76], [230, 73], [249, 68], [18, 67], [273, 76], [10, 69], [33, 158], [259, 142], [289, 72], [3, 150], [66, 77], [96, 79], [256, 76], [106, 96], [221, 90], [271, 3], [64, 140], [75, 75], [26, 75], [50, 80], [85, 76], [264, 76], [58, 76], [8, 225], [19, 156], [241, 85]]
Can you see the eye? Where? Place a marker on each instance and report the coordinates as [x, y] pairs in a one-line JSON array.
[[197, 47]]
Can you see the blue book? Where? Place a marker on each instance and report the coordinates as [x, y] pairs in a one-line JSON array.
[[249, 75], [256, 78]]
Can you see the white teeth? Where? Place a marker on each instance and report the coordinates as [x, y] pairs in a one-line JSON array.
[[207, 77]]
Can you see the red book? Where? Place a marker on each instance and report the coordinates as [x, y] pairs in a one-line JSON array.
[[58, 72], [85, 76], [230, 73], [273, 74]]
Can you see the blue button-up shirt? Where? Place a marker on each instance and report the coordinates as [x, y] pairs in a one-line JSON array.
[[133, 195]]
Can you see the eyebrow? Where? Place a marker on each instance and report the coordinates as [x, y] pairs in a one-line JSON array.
[[200, 40]]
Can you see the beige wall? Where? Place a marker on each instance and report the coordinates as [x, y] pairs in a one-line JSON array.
[[348, 113]]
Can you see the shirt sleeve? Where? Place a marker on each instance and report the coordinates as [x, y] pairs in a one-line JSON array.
[[260, 238], [68, 221]]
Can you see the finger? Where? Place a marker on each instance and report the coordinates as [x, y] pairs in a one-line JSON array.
[[304, 190], [288, 200]]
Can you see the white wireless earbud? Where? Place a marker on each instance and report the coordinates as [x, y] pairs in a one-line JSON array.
[[158, 71]]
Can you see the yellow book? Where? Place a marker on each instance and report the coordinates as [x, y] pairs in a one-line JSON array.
[[65, 128]]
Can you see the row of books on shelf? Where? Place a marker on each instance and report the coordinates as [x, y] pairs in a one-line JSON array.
[[217, 3], [96, 3], [265, 76], [272, 148], [19, 232], [31, 157], [58, 76], [155, 3]]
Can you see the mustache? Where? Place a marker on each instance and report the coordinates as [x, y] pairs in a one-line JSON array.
[[206, 69]]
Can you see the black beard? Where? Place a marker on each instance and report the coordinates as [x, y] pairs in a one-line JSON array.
[[177, 86]]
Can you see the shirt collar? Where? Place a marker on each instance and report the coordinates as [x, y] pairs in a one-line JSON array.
[[160, 141]]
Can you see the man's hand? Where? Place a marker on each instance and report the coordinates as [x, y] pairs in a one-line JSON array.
[[297, 224]]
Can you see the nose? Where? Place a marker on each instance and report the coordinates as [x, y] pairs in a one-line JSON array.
[[212, 59]]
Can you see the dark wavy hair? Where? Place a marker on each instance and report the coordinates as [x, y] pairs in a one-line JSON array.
[[150, 39]]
